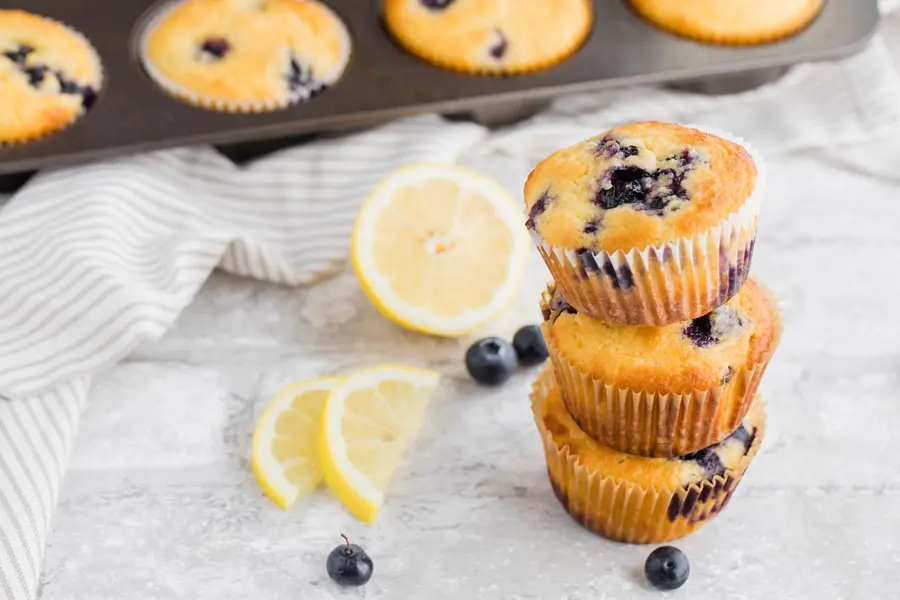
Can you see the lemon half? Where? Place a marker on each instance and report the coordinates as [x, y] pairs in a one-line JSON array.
[[440, 249]]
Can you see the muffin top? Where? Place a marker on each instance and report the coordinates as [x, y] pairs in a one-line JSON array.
[[49, 75], [489, 36], [676, 358], [272, 52], [735, 21], [554, 420], [638, 185]]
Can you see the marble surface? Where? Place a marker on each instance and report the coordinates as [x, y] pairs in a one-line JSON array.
[[160, 502]]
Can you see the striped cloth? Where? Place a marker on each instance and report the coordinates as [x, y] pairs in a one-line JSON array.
[[95, 259]]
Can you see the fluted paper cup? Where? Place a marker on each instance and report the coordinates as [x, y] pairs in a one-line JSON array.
[[679, 280], [624, 510], [655, 423]]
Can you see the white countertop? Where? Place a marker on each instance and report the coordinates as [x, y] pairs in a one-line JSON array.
[[160, 502]]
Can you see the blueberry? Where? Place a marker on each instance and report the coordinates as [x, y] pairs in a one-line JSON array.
[[530, 346], [349, 565], [612, 148], [699, 331], [714, 327], [591, 227], [20, 54], [301, 81], [216, 47], [66, 85], [626, 185], [35, 75], [491, 361], [436, 4], [667, 568], [708, 460], [498, 50], [539, 207]]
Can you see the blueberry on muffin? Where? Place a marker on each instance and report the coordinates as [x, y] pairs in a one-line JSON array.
[[647, 224], [665, 390], [633, 498], [737, 22], [492, 37], [49, 76], [245, 55]]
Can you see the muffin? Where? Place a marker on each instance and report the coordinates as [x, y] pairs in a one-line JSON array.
[[49, 76], [662, 391], [647, 224], [490, 37], [633, 498], [738, 22], [245, 55]]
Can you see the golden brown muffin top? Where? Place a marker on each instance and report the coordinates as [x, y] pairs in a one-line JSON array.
[[676, 358], [247, 51], [49, 75], [731, 22], [554, 419], [638, 185], [490, 36]]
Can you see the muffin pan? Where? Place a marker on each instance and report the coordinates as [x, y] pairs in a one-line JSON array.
[[383, 82]]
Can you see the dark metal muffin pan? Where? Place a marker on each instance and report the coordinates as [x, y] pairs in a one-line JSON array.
[[383, 82]]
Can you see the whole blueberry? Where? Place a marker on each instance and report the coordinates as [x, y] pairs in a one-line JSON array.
[[530, 346], [667, 568], [349, 565], [491, 361]]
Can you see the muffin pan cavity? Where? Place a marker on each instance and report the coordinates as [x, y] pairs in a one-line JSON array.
[[382, 81]]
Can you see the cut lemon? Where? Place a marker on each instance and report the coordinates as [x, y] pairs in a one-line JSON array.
[[286, 441], [369, 420], [439, 249]]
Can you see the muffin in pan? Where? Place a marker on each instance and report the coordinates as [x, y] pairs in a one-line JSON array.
[[490, 37], [49, 76], [662, 391], [649, 223], [245, 55], [633, 498], [735, 22]]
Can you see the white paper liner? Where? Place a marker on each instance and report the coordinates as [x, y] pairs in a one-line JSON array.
[[623, 510], [158, 13], [658, 424], [660, 284]]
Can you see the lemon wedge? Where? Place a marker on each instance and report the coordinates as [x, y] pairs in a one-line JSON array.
[[286, 441], [370, 419], [439, 249]]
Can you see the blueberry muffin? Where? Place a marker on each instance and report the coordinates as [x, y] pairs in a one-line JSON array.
[[668, 390], [647, 224], [738, 22], [245, 55], [493, 37], [633, 498], [49, 76]]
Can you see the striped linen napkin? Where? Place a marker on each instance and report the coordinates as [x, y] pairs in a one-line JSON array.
[[95, 259]]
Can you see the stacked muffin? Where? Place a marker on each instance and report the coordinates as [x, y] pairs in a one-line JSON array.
[[658, 339]]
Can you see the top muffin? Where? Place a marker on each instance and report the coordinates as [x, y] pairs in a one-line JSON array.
[[490, 36], [246, 55], [49, 76], [639, 185]]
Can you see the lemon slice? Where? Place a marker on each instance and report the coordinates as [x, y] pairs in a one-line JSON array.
[[439, 249], [369, 420], [286, 441]]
